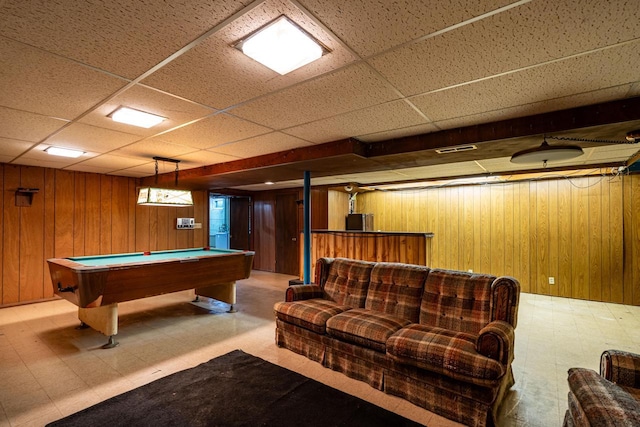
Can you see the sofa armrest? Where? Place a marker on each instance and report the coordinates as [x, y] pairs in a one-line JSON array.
[[505, 297], [597, 402], [621, 367], [302, 292], [496, 341]]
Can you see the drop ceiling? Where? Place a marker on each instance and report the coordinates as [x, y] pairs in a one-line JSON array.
[[402, 79]]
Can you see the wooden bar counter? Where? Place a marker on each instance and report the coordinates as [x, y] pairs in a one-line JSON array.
[[380, 246]]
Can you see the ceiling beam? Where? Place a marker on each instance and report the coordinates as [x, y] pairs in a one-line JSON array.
[[539, 124], [400, 152]]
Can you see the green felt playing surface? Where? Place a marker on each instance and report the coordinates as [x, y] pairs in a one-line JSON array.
[[138, 257]]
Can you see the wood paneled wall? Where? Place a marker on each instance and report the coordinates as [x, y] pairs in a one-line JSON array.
[[338, 209], [75, 214], [584, 232]]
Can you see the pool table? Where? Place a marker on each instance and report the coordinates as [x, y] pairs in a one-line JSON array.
[[96, 284]]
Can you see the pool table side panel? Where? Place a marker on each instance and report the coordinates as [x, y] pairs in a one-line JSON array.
[[126, 284]]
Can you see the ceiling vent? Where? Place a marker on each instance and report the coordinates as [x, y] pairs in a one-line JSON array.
[[457, 149]]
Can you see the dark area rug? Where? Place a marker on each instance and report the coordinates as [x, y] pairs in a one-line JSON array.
[[236, 389]]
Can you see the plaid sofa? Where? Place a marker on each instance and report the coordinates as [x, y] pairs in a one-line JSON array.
[[609, 399], [441, 339]]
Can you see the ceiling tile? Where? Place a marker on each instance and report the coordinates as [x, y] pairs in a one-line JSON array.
[[36, 81], [435, 171], [217, 74], [214, 131], [370, 27], [201, 158], [397, 133], [263, 144], [545, 106], [352, 88], [45, 162], [153, 147], [532, 33], [608, 68], [390, 116], [112, 162], [176, 111], [80, 167], [120, 36], [12, 148], [27, 126], [91, 138]]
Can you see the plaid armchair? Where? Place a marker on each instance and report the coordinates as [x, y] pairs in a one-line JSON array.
[[609, 399]]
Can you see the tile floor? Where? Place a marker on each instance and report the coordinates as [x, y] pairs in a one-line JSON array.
[[49, 369]]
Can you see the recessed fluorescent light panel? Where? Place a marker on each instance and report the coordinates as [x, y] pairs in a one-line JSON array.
[[282, 46], [135, 117], [64, 152]]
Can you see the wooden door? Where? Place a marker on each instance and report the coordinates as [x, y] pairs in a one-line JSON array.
[[287, 234], [239, 227]]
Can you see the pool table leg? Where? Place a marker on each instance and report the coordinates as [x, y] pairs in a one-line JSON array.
[[103, 319], [225, 292], [111, 342]]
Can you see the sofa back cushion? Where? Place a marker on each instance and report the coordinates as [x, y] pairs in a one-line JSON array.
[[397, 289], [456, 300], [347, 282]]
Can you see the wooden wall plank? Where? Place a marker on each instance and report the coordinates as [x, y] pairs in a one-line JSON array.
[[542, 237], [525, 232], [79, 213], [120, 205], [2, 238], [93, 214], [509, 237], [594, 231], [105, 214], [49, 193], [497, 243], [616, 240], [485, 229], [565, 244], [133, 199], [11, 237], [554, 244], [634, 285], [65, 198], [466, 227], [32, 237]]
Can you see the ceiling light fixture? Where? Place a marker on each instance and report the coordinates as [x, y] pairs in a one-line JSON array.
[[547, 153], [281, 46], [134, 117], [64, 152], [149, 196]]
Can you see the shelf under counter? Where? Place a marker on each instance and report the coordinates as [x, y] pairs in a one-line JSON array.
[[379, 246]]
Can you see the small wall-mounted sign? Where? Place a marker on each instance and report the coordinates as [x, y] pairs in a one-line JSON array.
[[185, 223]]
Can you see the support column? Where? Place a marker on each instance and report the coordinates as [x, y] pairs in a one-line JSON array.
[[307, 228]]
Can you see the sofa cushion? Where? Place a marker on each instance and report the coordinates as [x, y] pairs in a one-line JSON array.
[[310, 314], [348, 281], [456, 300], [443, 351], [595, 401], [364, 327], [396, 289]]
